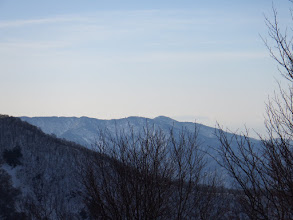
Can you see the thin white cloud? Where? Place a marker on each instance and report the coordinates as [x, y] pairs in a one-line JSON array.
[[191, 56], [33, 45], [135, 17], [25, 22]]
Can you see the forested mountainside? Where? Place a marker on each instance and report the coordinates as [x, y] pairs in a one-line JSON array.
[[43, 177], [38, 173], [85, 130]]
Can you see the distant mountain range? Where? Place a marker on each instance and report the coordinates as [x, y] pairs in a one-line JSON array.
[[85, 130]]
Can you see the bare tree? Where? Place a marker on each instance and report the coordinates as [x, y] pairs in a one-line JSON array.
[[149, 175], [244, 163], [265, 173]]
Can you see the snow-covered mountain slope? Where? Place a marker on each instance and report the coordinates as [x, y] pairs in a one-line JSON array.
[[42, 177], [40, 173], [85, 130]]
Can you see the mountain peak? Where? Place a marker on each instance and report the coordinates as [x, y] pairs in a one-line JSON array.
[[164, 119]]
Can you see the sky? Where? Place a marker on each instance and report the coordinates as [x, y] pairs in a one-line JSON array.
[[190, 60]]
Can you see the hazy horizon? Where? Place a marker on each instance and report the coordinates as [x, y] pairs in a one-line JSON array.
[[188, 60]]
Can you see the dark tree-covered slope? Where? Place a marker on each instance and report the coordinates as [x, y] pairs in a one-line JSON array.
[[42, 168]]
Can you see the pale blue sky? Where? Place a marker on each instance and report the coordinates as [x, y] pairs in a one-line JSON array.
[[108, 59]]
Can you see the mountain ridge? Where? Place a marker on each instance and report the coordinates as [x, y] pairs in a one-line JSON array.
[[83, 130]]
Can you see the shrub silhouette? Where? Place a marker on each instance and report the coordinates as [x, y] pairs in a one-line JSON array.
[[12, 157]]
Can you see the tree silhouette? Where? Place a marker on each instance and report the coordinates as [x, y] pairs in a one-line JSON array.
[[13, 157]]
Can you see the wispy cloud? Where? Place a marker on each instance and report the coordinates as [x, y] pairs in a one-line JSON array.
[[189, 57], [36, 45], [157, 18], [26, 22]]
